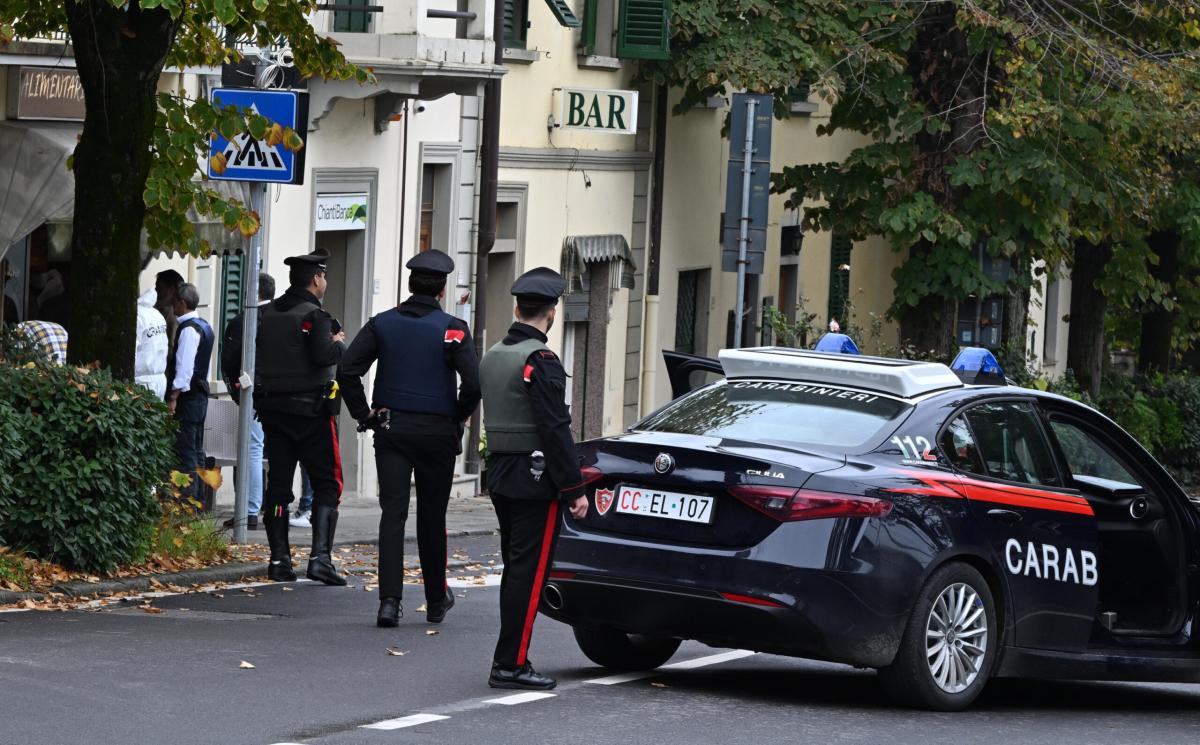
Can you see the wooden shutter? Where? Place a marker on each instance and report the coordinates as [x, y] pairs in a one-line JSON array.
[[644, 29], [839, 276], [516, 15], [563, 13]]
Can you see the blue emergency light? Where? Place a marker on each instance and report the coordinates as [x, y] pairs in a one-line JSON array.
[[837, 344], [978, 366]]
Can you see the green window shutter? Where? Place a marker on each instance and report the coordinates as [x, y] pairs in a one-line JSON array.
[[358, 21], [645, 29], [232, 282], [839, 276], [516, 17], [587, 39], [563, 13]]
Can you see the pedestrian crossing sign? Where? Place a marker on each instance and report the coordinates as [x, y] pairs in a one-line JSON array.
[[246, 158]]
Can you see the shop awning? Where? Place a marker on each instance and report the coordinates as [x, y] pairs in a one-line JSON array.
[[580, 250], [35, 185]]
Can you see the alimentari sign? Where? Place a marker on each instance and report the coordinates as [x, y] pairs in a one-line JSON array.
[[52, 93], [598, 110]]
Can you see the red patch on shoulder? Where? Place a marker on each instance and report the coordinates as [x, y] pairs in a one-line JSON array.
[[454, 336], [305, 326], [528, 373]]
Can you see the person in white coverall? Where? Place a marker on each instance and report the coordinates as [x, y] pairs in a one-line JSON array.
[[150, 356]]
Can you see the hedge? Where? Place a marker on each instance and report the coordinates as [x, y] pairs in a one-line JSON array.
[[82, 458]]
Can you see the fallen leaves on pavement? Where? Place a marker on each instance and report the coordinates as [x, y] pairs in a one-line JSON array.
[[432, 632], [396, 652], [246, 665]]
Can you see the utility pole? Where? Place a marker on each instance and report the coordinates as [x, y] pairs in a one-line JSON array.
[[739, 311]]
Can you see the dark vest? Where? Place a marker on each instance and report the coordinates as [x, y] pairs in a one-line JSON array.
[[412, 374], [507, 413], [282, 361], [203, 355]]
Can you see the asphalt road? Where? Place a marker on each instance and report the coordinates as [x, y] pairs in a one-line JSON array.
[[323, 675]]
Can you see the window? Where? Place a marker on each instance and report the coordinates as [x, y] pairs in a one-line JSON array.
[[827, 417], [437, 206], [425, 236], [1086, 456], [839, 276], [1012, 443], [352, 20], [691, 312], [958, 445], [516, 23]]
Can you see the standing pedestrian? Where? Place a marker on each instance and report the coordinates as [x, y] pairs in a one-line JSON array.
[[187, 373], [231, 368], [166, 287], [299, 348], [150, 351], [417, 413], [532, 466]]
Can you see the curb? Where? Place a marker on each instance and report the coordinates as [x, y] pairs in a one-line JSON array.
[[219, 573]]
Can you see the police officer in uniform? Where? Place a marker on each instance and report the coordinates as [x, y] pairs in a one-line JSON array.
[[532, 467], [299, 347], [417, 414]]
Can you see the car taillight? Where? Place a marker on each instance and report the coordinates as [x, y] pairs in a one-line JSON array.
[[591, 474], [787, 504]]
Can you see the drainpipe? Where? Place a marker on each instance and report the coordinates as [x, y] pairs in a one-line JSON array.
[[650, 343], [489, 155]]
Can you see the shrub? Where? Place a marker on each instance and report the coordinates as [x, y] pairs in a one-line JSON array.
[[82, 457], [1163, 413]]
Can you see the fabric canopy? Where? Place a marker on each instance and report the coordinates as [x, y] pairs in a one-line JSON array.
[[580, 250], [35, 185]]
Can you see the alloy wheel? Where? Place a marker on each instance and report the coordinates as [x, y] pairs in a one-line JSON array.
[[956, 637]]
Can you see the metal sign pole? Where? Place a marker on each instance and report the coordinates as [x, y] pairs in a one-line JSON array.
[[744, 229], [261, 204]]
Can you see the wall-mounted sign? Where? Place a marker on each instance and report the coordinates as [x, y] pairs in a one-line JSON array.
[[598, 110], [341, 212], [49, 93]]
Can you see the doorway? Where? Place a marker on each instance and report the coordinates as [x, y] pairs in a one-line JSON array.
[[345, 300], [501, 274]]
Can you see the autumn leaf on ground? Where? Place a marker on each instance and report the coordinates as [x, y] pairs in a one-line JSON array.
[[286, 589], [432, 632], [422, 608], [659, 685], [151, 609], [396, 652], [246, 665]]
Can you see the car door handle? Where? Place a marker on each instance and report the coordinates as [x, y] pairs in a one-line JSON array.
[[1008, 517]]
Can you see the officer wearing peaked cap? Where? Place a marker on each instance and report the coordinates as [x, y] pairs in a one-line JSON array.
[[417, 413], [299, 347], [533, 468]]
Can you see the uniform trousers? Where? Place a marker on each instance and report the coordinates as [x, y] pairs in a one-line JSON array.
[[311, 441], [528, 530], [397, 457]]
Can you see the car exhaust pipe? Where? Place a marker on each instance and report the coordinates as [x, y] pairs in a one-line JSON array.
[[553, 597]]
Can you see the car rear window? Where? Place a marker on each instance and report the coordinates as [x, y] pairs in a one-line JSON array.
[[782, 412]]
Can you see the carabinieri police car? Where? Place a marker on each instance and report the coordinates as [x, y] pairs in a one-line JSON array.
[[933, 523]]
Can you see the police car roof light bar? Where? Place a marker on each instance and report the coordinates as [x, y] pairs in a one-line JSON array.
[[903, 378], [978, 366], [837, 344]]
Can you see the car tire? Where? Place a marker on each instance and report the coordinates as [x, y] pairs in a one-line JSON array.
[[621, 651], [940, 647]]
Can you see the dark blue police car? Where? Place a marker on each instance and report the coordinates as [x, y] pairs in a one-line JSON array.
[[936, 524]]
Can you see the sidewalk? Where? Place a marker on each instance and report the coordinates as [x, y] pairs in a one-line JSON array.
[[358, 519]]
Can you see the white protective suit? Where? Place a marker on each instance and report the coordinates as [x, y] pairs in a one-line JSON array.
[[150, 357]]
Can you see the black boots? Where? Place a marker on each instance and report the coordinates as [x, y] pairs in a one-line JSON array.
[[390, 612], [280, 568], [436, 612], [524, 677], [320, 565]]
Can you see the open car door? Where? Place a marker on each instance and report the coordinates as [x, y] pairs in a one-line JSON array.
[[688, 372]]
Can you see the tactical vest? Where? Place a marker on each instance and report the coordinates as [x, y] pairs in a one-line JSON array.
[[412, 376], [282, 362], [507, 414], [204, 348]]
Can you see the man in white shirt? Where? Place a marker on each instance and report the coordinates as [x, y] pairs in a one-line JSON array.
[[187, 372], [150, 356]]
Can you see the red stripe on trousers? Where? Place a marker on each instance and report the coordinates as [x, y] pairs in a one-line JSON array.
[[337, 457], [538, 578]]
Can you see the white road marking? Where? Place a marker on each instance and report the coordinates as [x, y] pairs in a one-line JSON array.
[[714, 659], [520, 698], [613, 680], [411, 720]]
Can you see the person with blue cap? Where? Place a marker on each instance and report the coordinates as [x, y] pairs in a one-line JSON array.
[[532, 467], [426, 386], [295, 397]]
